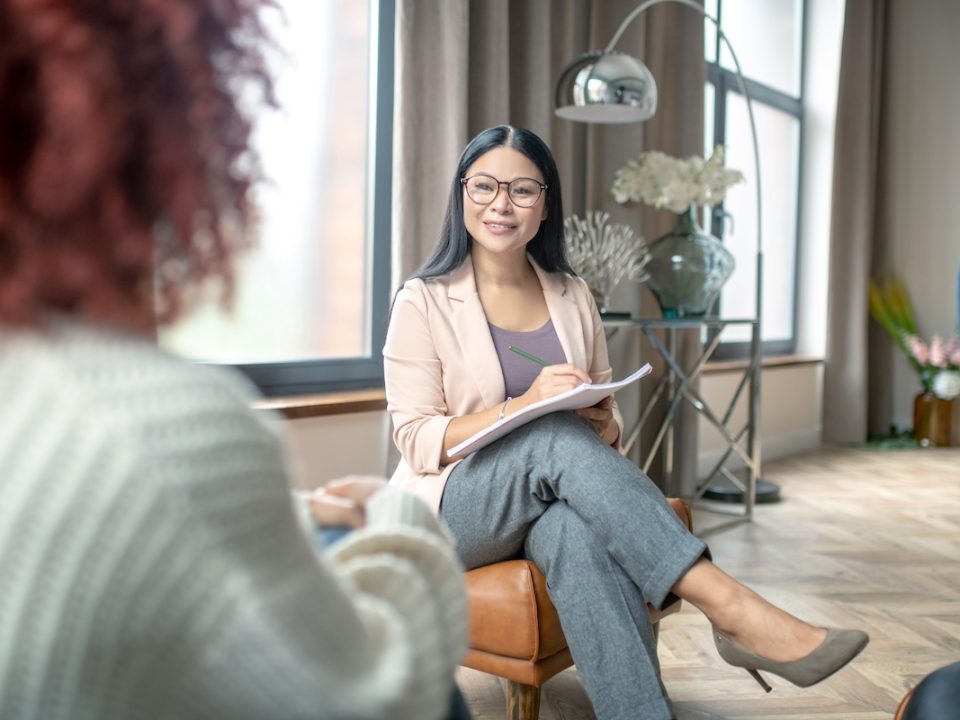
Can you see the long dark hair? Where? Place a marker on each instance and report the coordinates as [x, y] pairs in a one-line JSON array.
[[546, 247]]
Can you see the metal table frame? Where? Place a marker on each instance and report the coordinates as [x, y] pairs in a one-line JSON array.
[[677, 383]]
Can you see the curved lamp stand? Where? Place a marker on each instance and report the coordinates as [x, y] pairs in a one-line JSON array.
[[612, 87]]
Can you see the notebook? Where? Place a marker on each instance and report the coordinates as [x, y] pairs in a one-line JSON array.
[[579, 397]]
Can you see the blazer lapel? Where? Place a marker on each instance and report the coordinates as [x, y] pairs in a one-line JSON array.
[[565, 315], [473, 333]]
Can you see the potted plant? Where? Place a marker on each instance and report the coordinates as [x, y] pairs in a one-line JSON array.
[[937, 362]]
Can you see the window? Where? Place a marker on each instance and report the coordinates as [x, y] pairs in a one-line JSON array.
[[311, 303], [767, 36]]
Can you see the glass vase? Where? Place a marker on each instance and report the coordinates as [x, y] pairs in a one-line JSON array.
[[687, 268], [932, 420]]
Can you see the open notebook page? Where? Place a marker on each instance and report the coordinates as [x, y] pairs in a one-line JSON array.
[[579, 397]]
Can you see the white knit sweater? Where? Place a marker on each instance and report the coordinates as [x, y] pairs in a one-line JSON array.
[[152, 564]]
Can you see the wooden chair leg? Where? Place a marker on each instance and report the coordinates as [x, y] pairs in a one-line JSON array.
[[523, 701]]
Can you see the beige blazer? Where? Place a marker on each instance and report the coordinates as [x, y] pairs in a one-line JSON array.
[[439, 362]]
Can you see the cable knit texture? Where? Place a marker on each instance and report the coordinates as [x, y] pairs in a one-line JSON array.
[[152, 564]]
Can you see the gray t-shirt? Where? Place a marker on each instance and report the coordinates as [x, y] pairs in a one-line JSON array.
[[519, 372]]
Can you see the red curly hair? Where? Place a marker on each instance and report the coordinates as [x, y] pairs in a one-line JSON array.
[[125, 160]]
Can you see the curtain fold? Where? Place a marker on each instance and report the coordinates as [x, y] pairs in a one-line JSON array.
[[857, 399], [429, 122], [464, 65]]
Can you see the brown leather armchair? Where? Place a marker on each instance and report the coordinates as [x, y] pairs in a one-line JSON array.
[[515, 631]]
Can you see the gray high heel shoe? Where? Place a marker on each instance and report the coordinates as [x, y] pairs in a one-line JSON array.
[[837, 649]]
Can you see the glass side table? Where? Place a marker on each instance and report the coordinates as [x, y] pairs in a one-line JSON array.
[[741, 441]]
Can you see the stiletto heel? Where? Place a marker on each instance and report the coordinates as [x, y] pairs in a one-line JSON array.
[[759, 678], [837, 649]]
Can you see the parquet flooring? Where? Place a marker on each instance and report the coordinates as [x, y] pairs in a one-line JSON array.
[[863, 538]]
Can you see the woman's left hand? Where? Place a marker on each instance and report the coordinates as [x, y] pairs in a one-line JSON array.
[[601, 416], [341, 502]]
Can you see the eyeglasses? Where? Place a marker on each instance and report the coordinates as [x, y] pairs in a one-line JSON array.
[[523, 192]]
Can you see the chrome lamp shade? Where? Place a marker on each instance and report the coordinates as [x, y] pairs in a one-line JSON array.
[[606, 87]]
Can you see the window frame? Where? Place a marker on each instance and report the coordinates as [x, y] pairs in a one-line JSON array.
[[334, 374], [724, 81]]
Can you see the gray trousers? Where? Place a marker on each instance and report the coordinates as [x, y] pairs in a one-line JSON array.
[[601, 532]]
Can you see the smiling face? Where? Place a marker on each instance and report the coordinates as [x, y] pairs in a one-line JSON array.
[[502, 228]]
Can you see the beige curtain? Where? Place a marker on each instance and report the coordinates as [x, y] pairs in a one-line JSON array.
[[464, 65], [429, 123], [857, 400]]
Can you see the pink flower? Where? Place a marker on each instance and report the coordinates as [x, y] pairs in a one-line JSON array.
[[952, 349], [918, 349], [938, 352]]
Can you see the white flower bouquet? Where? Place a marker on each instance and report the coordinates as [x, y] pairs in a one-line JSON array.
[[667, 182]]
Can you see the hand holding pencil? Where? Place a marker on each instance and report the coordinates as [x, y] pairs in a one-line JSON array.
[[552, 380], [555, 379]]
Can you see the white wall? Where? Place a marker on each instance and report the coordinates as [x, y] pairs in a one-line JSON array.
[[333, 446], [790, 412]]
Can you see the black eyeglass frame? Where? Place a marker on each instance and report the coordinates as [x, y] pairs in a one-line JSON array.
[[500, 183]]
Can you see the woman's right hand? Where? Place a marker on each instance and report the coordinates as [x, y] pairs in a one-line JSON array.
[[553, 380]]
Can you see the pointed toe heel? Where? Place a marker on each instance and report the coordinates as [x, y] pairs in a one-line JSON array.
[[838, 648]]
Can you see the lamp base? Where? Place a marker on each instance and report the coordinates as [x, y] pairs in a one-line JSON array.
[[767, 492]]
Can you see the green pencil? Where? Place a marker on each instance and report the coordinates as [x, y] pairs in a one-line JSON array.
[[528, 356]]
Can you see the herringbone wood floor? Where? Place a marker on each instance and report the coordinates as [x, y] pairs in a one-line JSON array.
[[863, 538]]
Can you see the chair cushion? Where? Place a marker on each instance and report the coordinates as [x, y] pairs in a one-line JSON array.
[[511, 614]]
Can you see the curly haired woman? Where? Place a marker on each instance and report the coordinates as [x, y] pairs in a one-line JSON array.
[[152, 562]]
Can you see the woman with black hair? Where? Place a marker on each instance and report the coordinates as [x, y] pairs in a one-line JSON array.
[[556, 490]]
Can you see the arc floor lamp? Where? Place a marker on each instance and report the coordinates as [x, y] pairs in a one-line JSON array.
[[608, 86]]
